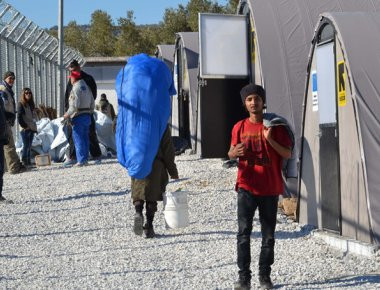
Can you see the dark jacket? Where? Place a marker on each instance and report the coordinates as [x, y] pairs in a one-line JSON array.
[[153, 186], [289, 166], [89, 80], [9, 104], [3, 124], [26, 117]]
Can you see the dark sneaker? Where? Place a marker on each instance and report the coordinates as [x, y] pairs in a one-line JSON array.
[[69, 162], [265, 282], [81, 164], [149, 232], [242, 285], [138, 224], [98, 161], [21, 169], [3, 200]]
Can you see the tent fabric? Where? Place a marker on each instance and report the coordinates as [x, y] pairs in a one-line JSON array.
[[359, 35], [166, 54], [51, 137], [190, 45], [284, 31], [143, 89]]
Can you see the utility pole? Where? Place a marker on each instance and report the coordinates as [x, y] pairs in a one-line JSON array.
[[60, 94]]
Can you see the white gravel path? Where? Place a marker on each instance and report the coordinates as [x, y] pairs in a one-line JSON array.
[[70, 228]]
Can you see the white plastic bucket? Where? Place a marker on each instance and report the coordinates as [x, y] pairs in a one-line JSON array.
[[176, 210]]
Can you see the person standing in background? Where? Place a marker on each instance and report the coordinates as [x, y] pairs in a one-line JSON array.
[[95, 151], [6, 93], [81, 106], [27, 118], [3, 140], [106, 107]]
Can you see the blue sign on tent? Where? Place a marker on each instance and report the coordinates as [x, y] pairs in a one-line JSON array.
[[315, 84]]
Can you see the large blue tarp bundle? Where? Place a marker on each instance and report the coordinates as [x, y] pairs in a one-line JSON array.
[[143, 87]]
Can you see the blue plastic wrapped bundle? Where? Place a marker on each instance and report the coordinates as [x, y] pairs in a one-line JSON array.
[[143, 87]]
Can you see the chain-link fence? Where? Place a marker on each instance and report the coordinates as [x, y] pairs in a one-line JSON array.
[[32, 54]]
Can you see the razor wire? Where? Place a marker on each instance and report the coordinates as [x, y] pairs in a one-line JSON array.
[[32, 54]]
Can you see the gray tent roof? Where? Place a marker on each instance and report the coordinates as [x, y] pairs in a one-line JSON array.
[[166, 53], [284, 32], [359, 34]]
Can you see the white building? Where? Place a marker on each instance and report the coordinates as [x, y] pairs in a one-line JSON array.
[[104, 70]]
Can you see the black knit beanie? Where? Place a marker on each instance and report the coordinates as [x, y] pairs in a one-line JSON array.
[[9, 74], [252, 89]]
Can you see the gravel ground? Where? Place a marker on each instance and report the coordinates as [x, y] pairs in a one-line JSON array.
[[72, 228]]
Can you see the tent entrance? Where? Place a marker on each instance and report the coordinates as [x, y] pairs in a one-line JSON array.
[[328, 138], [224, 68], [183, 99], [183, 108], [221, 110]]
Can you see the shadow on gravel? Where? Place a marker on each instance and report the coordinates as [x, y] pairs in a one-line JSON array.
[[303, 232], [341, 282], [193, 234], [60, 166], [91, 194], [79, 196], [79, 231], [57, 210]]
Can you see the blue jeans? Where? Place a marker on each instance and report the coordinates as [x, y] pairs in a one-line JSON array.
[[81, 128], [27, 140], [247, 205]]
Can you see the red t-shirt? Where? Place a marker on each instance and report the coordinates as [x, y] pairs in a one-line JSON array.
[[259, 171]]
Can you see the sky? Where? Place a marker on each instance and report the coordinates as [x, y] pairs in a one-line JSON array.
[[44, 13]]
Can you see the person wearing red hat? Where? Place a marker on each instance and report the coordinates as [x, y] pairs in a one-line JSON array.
[[81, 106], [260, 151], [95, 151]]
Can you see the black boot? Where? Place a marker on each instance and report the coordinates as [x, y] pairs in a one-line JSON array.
[[242, 285], [3, 200], [265, 282], [25, 162], [151, 208], [139, 218], [148, 227]]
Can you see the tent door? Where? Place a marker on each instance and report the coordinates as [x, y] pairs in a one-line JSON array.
[[183, 98], [328, 133], [184, 123]]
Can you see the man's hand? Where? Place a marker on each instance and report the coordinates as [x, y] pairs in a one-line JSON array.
[[268, 133], [237, 151], [65, 116]]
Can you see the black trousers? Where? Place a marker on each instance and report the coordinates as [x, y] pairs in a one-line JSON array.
[[247, 205], [1, 166], [94, 142]]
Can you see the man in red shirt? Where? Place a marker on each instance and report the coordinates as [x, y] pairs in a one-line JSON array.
[[260, 151]]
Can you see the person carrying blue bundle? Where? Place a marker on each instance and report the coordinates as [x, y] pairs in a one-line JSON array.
[[144, 144]]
